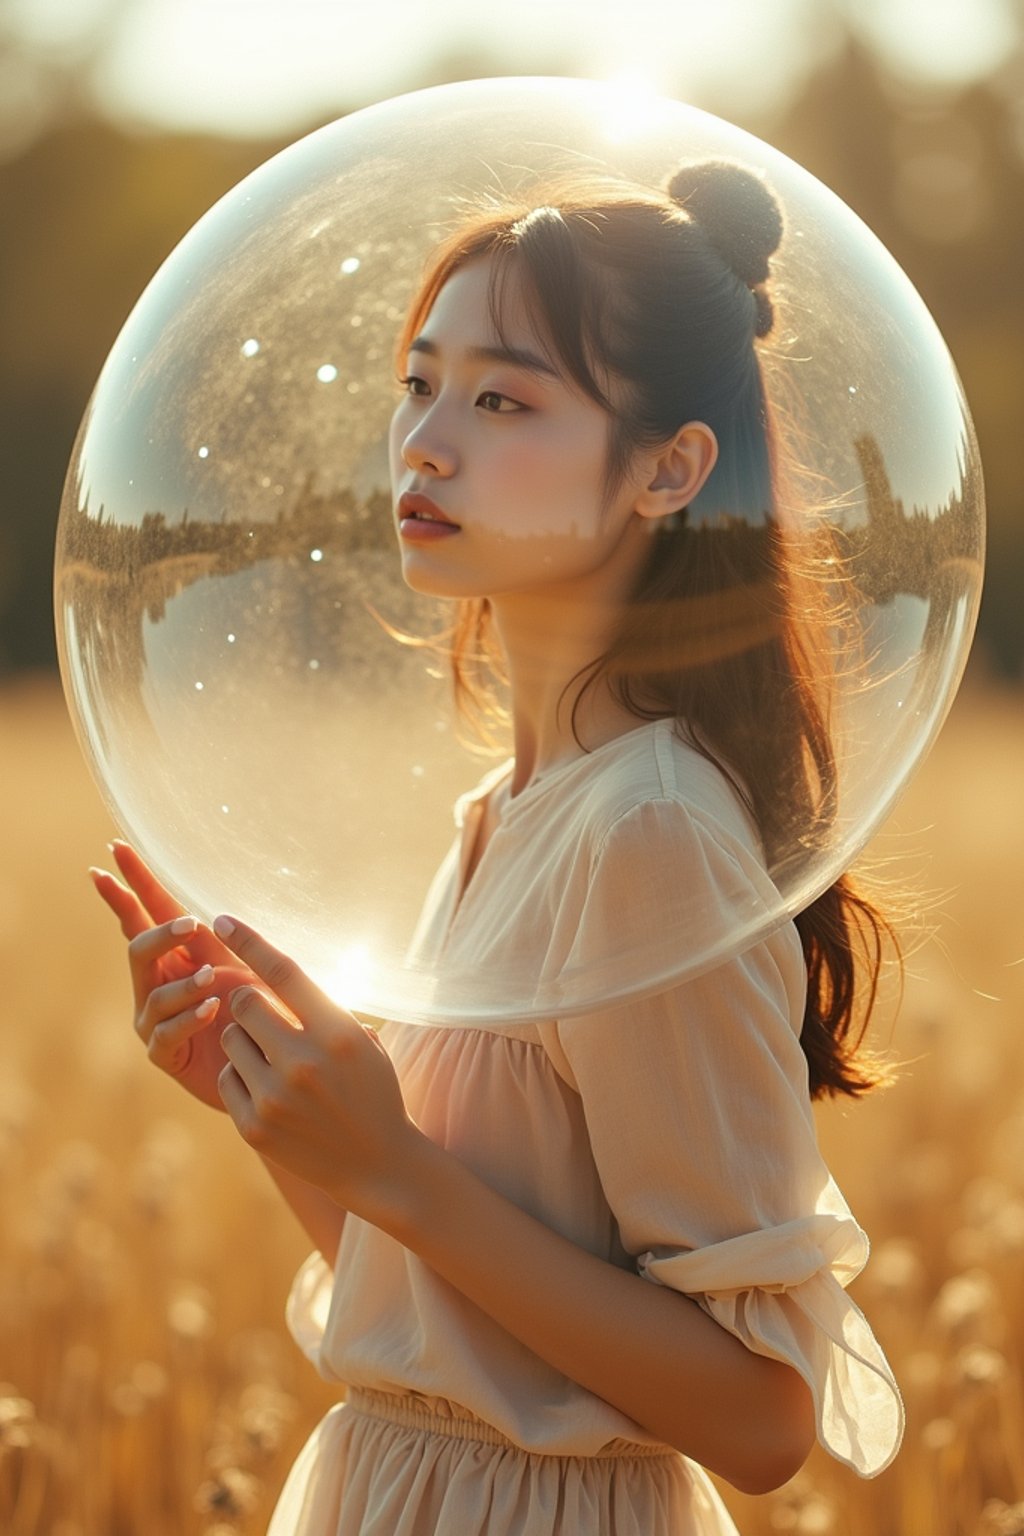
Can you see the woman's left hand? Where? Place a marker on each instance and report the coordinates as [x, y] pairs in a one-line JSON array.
[[310, 1087]]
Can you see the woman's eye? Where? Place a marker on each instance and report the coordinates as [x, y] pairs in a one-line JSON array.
[[413, 385], [492, 401]]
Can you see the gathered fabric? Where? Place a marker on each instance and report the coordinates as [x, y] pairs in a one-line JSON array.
[[383, 1465]]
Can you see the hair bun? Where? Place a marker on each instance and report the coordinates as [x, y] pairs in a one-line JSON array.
[[736, 210]]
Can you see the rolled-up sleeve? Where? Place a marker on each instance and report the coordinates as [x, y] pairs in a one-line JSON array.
[[699, 1117]]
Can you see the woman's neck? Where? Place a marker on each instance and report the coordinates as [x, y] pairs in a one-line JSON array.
[[549, 643]]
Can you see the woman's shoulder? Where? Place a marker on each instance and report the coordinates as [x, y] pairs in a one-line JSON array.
[[654, 776], [602, 869], [653, 768]]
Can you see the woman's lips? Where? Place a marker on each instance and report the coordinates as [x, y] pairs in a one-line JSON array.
[[421, 521]]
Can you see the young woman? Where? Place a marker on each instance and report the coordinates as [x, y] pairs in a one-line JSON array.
[[562, 1267]]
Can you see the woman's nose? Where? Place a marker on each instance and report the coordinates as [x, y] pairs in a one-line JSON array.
[[428, 449]]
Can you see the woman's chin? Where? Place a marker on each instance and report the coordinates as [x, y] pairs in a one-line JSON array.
[[428, 581]]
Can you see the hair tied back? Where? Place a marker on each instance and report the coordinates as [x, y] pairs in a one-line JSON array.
[[741, 218]]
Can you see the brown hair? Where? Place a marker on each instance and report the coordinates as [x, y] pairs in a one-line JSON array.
[[658, 299]]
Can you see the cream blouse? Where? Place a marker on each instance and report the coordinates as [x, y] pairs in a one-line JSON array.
[[673, 1135]]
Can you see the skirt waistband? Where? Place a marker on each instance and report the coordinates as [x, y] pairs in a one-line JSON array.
[[437, 1416]]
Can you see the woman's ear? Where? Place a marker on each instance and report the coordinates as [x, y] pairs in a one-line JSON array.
[[680, 470]]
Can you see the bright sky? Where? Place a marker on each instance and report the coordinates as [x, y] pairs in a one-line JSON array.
[[268, 66]]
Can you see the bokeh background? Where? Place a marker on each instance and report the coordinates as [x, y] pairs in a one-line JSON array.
[[146, 1383]]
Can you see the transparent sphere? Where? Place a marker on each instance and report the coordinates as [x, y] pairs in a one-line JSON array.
[[231, 615]]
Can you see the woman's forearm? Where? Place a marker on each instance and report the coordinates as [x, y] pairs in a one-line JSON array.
[[320, 1217], [649, 1351]]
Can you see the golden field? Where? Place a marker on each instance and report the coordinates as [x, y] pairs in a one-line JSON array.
[[147, 1386]]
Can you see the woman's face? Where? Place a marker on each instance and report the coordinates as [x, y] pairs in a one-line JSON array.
[[498, 462]]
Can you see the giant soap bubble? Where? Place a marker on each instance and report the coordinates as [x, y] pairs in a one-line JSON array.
[[228, 591]]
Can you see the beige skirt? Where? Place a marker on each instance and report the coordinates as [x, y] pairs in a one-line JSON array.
[[384, 1465]]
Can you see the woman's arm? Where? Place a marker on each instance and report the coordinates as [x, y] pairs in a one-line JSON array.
[[649, 1351], [323, 1102], [320, 1217]]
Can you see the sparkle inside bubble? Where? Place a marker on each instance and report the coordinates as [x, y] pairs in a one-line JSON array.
[[204, 452], [349, 265], [316, 555], [327, 373], [250, 347]]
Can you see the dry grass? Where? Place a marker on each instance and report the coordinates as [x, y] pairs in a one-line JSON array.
[[146, 1384]]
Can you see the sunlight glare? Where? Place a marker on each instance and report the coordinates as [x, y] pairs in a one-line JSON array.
[[635, 108], [347, 980]]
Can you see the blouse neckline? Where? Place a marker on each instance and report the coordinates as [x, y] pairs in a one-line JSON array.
[[495, 783]]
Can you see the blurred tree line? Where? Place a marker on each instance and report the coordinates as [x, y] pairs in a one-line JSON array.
[[88, 210]]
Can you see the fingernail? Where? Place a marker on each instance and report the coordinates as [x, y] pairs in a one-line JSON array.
[[184, 925], [207, 1008], [223, 927], [203, 976], [104, 874]]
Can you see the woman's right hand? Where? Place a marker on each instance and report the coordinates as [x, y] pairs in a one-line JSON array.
[[181, 974]]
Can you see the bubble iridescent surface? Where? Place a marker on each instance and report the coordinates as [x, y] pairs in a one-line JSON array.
[[226, 551]]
